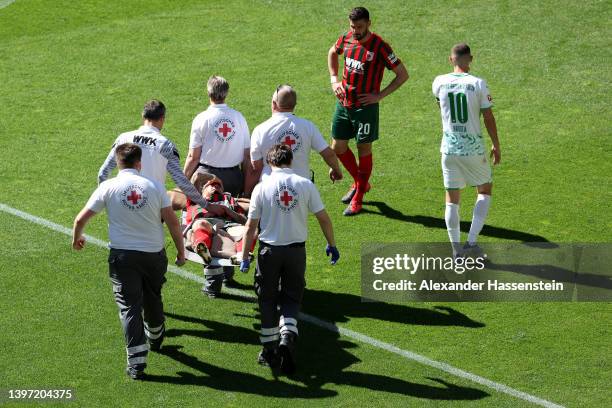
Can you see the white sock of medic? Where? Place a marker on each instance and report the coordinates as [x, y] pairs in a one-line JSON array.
[[481, 209], [451, 216]]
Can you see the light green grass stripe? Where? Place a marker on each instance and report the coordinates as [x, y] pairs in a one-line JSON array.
[[318, 322]]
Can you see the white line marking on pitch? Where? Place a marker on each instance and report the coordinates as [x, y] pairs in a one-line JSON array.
[[316, 321], [5, 3]]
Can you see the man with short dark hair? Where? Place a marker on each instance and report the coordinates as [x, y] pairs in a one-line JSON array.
[[462, 98], [159, 155], [137, 262], [219, 140], [280, 205], [366, 55], [299, 134]]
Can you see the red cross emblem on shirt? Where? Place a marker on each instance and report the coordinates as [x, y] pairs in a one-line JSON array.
[[225, 130], [289, 142], [286, 198], [134, 197]]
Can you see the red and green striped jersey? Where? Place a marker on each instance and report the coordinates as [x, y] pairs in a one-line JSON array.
[[364, 65]]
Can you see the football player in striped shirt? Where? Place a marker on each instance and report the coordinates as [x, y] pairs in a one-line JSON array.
[[366, 55]]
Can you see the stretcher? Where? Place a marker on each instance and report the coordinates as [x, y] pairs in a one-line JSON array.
[[225, 234]]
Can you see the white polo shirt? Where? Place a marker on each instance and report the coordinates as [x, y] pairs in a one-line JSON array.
[[133, 204], [223, 134], [281, 202], [299, 134]]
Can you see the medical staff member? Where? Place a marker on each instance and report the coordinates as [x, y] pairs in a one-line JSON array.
[[159, 154], [280, 205], [219, 140], [299, 134], [137, 262]]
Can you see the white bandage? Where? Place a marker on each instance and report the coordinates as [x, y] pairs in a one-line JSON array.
[[333, 79]]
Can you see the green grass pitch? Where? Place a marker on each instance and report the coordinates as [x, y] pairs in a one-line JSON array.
[[75, 75]]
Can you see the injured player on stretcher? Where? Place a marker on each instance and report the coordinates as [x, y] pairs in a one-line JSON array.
[[207, 235]]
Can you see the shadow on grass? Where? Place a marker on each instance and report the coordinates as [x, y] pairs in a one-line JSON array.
[[224, 379], [551, 272], [322, 359], [216, 331], [433, 222], [346, 306]]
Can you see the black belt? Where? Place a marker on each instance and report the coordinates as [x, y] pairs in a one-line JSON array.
[[294, 245], [219, 168]]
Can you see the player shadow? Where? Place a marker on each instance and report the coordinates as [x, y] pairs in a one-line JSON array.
[[215, 331], [433, 222], [551, 272], [322, 359], [225, 379], [224, 295], [346, 306]]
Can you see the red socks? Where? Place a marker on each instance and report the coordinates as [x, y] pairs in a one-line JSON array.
[[201, 236], [350, 163], [365, 170]]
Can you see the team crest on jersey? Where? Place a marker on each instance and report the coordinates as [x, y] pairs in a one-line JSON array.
[[369, 56], [134, 197], [291, 139], [224, 129], [286, 198]]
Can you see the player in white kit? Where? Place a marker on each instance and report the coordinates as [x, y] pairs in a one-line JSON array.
[[462, 98]]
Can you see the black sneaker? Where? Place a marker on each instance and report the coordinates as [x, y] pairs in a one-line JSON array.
[[351, 193], [135, 374], [473, 250], [209, 293], [204, 253], [286, 349], [268, 357]]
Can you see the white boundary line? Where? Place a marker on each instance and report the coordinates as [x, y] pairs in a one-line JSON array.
[[318, 322], [6, 3]]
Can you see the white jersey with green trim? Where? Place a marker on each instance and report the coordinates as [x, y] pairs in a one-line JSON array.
[[461, 97]]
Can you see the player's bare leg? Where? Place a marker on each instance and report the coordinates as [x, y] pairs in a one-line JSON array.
[[451, 217]]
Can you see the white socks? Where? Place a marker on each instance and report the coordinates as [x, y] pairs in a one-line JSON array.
[[451, 216], [481, 209]]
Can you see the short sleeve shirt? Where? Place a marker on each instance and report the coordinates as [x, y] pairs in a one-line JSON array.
[[461, 97], [222, 133], [364, 65], [282, 202], [286, 128], [133, 204]]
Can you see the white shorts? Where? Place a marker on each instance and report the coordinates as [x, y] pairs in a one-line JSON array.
[[458, 171]]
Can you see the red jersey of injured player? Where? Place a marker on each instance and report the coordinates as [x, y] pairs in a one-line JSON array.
[[203, 225], [213, 191]]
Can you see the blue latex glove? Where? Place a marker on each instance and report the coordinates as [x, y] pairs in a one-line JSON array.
[[244, 265], [333, 251]]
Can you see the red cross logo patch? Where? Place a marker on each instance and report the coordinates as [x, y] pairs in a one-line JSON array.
[[286, 198], [224, 129], [134, 197], [291, 139]]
